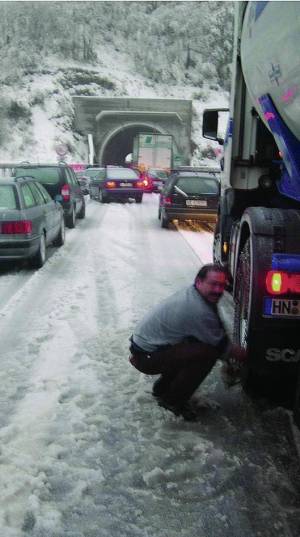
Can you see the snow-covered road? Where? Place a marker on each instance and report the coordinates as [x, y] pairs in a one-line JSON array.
[[84, 450]]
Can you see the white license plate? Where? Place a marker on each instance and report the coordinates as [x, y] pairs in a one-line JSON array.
[[126, 184], [285, 307], [196, 203]]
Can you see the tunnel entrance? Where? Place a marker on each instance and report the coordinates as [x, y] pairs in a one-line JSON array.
[[121, 144]]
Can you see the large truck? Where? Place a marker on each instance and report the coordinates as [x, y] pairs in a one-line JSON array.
[[151, 150], [258, 230]]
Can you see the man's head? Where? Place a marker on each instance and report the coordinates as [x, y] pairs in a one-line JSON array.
[[211, 282]]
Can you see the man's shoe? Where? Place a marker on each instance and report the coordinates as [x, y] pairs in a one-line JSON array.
[[186, 410], [189, 412], [169, 406], [160, 386]]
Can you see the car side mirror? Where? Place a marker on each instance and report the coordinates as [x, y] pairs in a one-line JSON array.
[[214, 122], [210, 124]]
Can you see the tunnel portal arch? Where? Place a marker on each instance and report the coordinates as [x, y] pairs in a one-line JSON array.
[[114, 121], [118, 144]]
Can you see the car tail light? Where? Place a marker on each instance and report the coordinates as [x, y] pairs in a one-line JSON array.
[[167, 200], [110, 184], [279, 282], [65, 192], [21, 227], [140, 184]]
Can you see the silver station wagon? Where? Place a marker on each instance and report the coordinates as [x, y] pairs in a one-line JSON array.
[[30, 220]]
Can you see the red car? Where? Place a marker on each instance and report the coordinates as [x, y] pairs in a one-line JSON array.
[[154, 179]]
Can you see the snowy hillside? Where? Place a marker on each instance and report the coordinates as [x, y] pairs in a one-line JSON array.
[[36, 109]]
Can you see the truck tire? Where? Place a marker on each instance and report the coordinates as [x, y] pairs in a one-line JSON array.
[[296, 409], [242, 333], [258, 377], [217, 247], [217, 244], [241, 311]]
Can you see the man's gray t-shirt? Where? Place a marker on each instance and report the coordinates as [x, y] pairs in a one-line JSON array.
[[183, 314]]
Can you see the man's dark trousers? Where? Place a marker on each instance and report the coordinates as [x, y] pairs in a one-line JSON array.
[[182, 368]]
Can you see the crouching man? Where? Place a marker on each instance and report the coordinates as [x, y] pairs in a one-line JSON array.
[[182, 338]]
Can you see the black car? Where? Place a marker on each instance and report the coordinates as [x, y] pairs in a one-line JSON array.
[[30, 220], [189, 194], [115, 183], [61, 183]]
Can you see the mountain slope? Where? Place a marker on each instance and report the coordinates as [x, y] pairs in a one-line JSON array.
[[108, 53]]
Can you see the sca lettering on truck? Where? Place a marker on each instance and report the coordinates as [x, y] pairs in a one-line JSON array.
[[283, 355]]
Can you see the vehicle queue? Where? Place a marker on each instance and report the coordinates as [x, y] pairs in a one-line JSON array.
[[39, 200]]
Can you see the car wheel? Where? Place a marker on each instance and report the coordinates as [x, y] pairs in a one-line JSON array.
[[102, 197], [159, 213], [60, 239], [164, 221], [81, 213], [139, 198], [71, 219], [39, 258]]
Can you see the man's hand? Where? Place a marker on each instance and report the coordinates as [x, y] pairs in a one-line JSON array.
[[237, 353]]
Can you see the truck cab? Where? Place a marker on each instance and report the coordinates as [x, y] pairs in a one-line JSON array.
[[258, 228]]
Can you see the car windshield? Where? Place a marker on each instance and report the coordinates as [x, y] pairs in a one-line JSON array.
[[7, 197], [48, 175], [198, 185], [91, 173], [121, 173], [159, 174]]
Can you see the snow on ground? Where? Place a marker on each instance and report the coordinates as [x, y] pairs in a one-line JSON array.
[[85, 451]]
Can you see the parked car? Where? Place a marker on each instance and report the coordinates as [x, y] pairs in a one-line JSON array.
[[89, 175], [191, 194], [84, 181], [30, 220], [115, 183], [155, 178], [62, 184]]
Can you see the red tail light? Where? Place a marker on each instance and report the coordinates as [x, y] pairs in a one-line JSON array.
[[21, 227], [167, 200], [65, 192], [140, 184], [110, 184], [279, 283]]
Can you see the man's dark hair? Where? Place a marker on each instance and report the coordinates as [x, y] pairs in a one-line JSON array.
[[211, 267]]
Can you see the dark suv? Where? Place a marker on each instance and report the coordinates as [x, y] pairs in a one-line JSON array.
[[61, 183], [190, 194]]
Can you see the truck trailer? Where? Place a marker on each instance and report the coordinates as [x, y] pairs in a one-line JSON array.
[[257, 235], [151, 150]]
